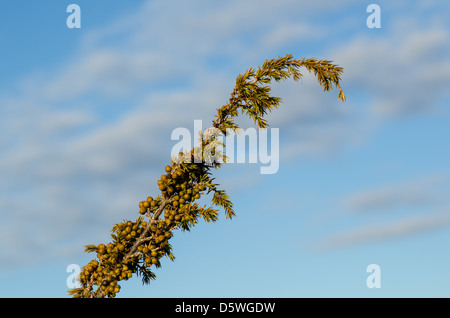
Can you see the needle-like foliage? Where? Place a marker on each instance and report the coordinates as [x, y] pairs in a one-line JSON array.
[[137, 247]]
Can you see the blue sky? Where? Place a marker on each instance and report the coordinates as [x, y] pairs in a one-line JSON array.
[[86, 117]]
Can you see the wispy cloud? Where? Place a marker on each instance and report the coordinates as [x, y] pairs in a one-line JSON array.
[[68, 165], [409, 203], [406, 73], [412, 193], [109, 72], [386, 231]]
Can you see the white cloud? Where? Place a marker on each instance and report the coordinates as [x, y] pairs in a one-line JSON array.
[[110, 73], [412, 193], [67, 120], [77, 167], [289, 33], [375, 233], [406, 73], [410, 204]]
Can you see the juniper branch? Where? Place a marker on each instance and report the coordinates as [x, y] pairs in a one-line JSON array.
[[139, 245]]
